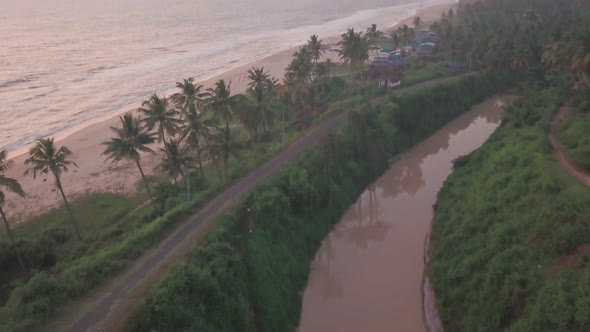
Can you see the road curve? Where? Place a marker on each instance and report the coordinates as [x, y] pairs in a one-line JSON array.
[[109, 310], [558, 150]]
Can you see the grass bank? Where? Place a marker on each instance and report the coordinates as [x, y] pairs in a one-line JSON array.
[[250, 273], [511, 233], [574, 133]]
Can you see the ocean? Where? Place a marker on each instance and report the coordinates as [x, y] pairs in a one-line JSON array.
[[65, 63]]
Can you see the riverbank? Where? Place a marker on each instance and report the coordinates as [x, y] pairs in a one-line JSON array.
[[511, 231], [94, 175], [270, 265], [382, 234]]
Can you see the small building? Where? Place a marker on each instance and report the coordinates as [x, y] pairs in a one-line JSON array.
[[390, 80], [385, 73], [378, 59], [425, 48], [396, 55]]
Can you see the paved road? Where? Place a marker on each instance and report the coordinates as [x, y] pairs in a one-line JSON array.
[[558, 150], [109, 311]]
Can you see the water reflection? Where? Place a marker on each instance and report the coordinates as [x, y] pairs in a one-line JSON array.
[[367, 274]]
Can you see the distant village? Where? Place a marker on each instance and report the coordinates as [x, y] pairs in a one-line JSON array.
[[388, 64]]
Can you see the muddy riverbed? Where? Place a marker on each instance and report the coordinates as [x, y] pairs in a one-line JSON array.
[[367, 275]]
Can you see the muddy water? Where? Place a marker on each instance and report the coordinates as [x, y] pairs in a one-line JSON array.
[[367, 276]]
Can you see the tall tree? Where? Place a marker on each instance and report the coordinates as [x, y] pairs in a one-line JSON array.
[[193, 129], [189, 95], [258, 77], [219, 100], [315, 47], [13, 186], [572, 55], [158, 113], [45, 158], [175, 161], [131, 139], [396, 39], [417, 22], [222, 147], [191, 101], [355, 48], [372, 36], [301, 67]]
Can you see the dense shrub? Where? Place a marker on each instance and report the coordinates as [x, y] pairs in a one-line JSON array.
[[505, 219]]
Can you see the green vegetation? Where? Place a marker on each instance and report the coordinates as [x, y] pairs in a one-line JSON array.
[[426, 72], [511, 228], [250, 273], [505, 220], [575, 137], [574, 133]]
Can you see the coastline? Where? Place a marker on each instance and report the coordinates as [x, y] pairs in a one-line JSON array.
[[94, 175]]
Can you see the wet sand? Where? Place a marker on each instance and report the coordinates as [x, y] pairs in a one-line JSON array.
[[367, 275]]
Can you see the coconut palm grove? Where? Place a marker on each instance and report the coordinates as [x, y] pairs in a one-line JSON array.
[[249, 184]]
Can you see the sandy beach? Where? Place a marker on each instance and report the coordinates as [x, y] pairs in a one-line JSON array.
[[94, 175]]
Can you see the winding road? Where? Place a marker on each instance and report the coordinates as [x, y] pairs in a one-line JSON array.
[[112, 303], [558, 149]]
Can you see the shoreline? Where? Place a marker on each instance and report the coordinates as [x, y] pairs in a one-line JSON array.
[[94, 175]]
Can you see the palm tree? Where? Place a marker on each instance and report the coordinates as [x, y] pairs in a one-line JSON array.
[[372, 36], [176, 159], [315, 47], [191, 101], [573, 55], [258, 77], [45, 157], [322, 71], [301, 66], [355, 48], [289, 82], [406, 34], [193, 128], [222, 146], [131, 139], [189, 97], [417, 22], [158, 114], [396, 40], [13, 186], [219, 100]]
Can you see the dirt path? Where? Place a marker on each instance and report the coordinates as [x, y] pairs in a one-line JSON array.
[[558, 149], [111, 305]]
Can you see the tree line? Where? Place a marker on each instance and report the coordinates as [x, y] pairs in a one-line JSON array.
[[195, 126]]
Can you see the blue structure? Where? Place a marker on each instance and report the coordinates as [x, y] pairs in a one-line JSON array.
[[400, 64], [394, 56], [456, 66]]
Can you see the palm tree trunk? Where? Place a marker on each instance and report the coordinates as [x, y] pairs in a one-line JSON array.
[[199, 156], [63, 195], [147, 187], [7, 226], [217, 168], [225, 168]]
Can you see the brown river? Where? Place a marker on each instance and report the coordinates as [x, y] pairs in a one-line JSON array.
[[367, 275]]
